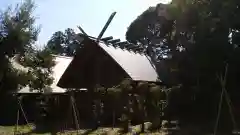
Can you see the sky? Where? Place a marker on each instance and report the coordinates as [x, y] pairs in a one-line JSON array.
[[91, 15]]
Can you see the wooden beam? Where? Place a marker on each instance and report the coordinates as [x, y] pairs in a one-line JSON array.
[[122, 44], [138, 49], [107, 38], [128, 45], [106, 26], [114, 41], [132, 47], [81, 29]]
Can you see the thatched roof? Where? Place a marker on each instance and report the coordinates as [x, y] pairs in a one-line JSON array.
[[99, 63]]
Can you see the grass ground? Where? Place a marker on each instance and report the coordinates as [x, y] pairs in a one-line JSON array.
[[9, 130], [25, 130]]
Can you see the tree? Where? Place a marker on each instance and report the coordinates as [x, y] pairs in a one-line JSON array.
[[155, 104], [154, 31], [115, 97], [71, 43], [201, 40], [40, 64], [21, 63], [63, 43], [57, 43], [149, 31], [141, 98]]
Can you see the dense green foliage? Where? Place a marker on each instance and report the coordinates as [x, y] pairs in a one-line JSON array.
[[148, 31], [63, 43], [200, 38], [21, 63]]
